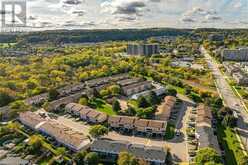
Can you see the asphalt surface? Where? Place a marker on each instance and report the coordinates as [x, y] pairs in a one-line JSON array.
[[230, 99]]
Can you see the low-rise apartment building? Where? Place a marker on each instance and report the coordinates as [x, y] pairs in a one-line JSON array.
[[111, 149], [136, 88], [237, 72], [241, 78], [86, 113], [240, 54], [204, 131], [164, 111]]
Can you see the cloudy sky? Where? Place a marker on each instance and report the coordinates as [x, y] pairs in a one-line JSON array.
[[93, 14]]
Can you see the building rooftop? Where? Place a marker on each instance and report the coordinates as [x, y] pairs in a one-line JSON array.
[[140, 151]]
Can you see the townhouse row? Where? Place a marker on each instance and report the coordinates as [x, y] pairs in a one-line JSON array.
[[167, 107], [64, 135], [204, 131], [110, 150], [150, 127]]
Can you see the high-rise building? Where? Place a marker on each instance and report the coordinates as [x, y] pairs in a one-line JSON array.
[[235, 54], [142, 49]]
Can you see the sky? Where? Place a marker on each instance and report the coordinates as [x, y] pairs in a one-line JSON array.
[[108, 14]]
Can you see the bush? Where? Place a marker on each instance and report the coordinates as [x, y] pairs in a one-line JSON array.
[[142, 102]]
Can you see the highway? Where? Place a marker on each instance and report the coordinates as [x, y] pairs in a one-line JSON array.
[[230, 99]]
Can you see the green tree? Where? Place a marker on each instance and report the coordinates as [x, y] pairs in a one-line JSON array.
[[152, 98], [142, 102], [244, 160], [126, 158], [218, 102], [115, 89], [83, 101], [130, 111], [92, 158], [5, 99], [53, 94], [79, 157], [207, 155], [171, 91], [98, 130], [116, 105], [35, 142], [61, 150]]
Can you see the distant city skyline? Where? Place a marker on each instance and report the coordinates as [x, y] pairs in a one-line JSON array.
[[108, 14]]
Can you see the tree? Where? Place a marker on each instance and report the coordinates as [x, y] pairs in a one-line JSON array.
[[5, 99], [218, 102], [35, 143], [116, 105], [114, 89], [126, 158], [61, 150], [130, 111], [171, 92], [142, 102], [92, 158], [207, 155], [244, 160], [229, 121], [104, 93], [98, 130], [83, 101], [152, 98], [53, 94], [79, 157]]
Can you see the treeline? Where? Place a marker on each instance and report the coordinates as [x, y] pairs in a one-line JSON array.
[[77, 36]]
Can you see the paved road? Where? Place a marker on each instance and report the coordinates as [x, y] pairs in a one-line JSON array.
[[230, 99]]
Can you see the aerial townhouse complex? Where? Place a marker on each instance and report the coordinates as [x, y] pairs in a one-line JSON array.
[[66, 136], [204, 130], [240, 54], [111, 149]]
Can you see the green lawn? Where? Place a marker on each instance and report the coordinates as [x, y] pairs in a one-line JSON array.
[[178, 89], [102, 106], [231, 145]]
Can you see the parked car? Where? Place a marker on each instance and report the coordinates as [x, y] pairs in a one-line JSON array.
[[178, 133]]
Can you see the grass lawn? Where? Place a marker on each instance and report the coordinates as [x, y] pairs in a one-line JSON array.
[[170, 131], [231, 145], [178, 89], [102, 106]]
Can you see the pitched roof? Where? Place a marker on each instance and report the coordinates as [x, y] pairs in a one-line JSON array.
[[86, 111], [166, 108], [204, 115], [138, 150], [114, 119], [157, 124], [141, 123], [31, 118]]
